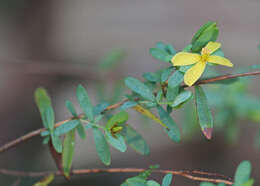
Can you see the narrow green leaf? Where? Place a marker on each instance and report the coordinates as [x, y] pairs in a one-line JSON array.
[[152, 183], [183, 97], [85, 102], [117, 141], [68, 152], [135, 140], [159, 96], [45, 133], [173, 130], [81, 131], [160, 54], [71, 108], [175, 79], [118, 118], [128, 104], [56, 142], [45, 181], [46, 140], [165, 74], [98, 109], [170, 49], [206, 184], [203, 112], [134, 181], [172, 93], [43, 102], [138, 87], [167, 179], [152, 77], [242, 174], [102, 147], [66, 127]]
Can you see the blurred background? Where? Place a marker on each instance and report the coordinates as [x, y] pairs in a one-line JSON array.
[[59, 44]]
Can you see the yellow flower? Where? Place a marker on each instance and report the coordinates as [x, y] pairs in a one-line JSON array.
[[199, 61]]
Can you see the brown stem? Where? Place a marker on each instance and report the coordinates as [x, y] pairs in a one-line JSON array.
[[186, 174], [114, 106]]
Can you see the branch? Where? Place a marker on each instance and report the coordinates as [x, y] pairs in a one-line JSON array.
[[186, 174], [114, 106]]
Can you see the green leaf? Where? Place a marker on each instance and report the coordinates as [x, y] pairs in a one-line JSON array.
[[102, 147], [66, 127], [117, 141], [172, 93], [71, 108], [46, 140], [45, 181], [175, 79], [98, 109], [68, 152], [203, 112], [167, 179], [242, 174], [152, 77], [218, 52], [166, 73], [56, 142], [159, 96], [167, 48], [85, 102], [152, 183], [249, 182], [45, 133], [187, 48], [135, 140], [170, 49], [221, 184], [173, 130], [81, 131], [183, 97], [208, 32], [43, 102], [128, 104], [160, 54], [206, 184], [134, 181], [118, 118], [138, 87]]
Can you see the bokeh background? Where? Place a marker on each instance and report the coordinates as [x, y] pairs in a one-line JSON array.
[[59, 44]]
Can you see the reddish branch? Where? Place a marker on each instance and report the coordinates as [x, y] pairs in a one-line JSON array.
[[111, 107], [186, 174]]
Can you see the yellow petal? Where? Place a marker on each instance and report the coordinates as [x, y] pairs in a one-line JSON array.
[[212, 47], [185, 58], [220, 61], [194, 73]]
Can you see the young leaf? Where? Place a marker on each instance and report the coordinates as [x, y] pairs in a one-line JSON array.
[[117, 141], [118, 118], [56, 142], [102, 147], [148, 114], [81, 131], [183, 97], [242, 174], [43, 102], [167, 179], [45, 181], [173, 130], [67, 152], [138, 87], [71, 108], [85, 102], [135, 140], [66, 127], [160, 54], [203, 112]]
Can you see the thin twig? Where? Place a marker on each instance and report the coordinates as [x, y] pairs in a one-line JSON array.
[[186, 174], [114, 106]]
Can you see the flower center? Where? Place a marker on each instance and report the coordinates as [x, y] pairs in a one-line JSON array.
[[205, 53]]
